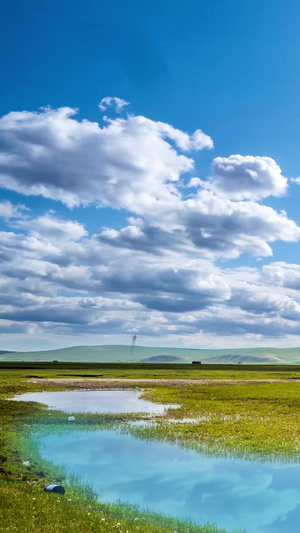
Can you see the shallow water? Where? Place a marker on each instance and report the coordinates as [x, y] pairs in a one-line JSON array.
[[163, 477], [95, 401]]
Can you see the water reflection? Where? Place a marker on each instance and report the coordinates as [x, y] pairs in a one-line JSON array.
[[260, 498], [95, 401]]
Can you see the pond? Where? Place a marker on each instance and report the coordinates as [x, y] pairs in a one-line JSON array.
[[163, 477], [95, 401]]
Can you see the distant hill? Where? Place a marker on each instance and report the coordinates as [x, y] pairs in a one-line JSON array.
[[161, 359], [124, 354], [236, 359]]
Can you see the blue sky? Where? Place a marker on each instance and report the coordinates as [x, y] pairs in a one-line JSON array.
[[101, 236]]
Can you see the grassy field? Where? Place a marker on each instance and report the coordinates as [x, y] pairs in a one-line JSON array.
[[247, 411], [31, 369]]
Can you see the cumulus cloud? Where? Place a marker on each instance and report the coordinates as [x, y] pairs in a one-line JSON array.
[[283, 274], [136, 164], [129, 290], [129, 163], [208, 225], [158, 274], [229, 323], [113, 101], [140, 236], [229, 228], [247, 177], [194, 182], [51, 228], [8, 210], [60, 254], [263, 301]]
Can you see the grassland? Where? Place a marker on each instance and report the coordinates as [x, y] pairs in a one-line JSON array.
[[248, 411]]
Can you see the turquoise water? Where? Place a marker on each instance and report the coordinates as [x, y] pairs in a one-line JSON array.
[[163, 477], [95, 401]]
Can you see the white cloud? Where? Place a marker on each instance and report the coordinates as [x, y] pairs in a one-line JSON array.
[[282, 274], [247, 177], [209, 226], [295, 180], [8, 210], [124, 290], [129, 163], [136, 164], [195, 182], [117, 103], [51, 228], [157, 275], [263, 301], [229, 228]]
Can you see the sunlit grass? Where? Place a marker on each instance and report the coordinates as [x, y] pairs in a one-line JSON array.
[[259, 421]]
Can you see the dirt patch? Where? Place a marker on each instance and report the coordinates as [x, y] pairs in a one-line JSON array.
[[124, 382], [82, 376]]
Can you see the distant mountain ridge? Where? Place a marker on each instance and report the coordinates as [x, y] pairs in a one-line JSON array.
[[125, 354], [161, 359]]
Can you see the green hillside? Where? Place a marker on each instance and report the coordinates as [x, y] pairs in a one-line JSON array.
[[124, 354]]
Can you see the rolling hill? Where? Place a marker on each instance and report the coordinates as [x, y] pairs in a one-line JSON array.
[[124, 354]]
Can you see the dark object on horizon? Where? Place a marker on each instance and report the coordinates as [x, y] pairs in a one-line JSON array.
[[58, 489], [55, 361], [196, 362]]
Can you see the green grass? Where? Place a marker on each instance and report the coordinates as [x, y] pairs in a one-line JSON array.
[[25, 508], [260, 421], [247, 418], [30, 369]]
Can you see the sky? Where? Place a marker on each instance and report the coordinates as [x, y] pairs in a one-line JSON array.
[[149, 173]]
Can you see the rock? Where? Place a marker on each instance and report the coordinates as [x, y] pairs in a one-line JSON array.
[[58, 489]]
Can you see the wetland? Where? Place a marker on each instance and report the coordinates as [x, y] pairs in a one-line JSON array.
[[227, 456]]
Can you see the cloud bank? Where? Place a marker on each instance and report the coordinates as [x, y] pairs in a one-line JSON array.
[[159, 275]]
